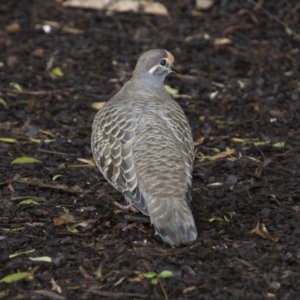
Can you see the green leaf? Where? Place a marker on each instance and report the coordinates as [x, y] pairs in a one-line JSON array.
[[288, 30], [216, 150], [279, 145], [25, 160], [205, 158], [57, 72], [38, 141], [1, 64], [171, 90], [28, 202], [72, 229], [150, 275], [81, 224], [216, 219], [15, 277], [226, 219], [2, 101], [8, 140], [21, 253], [66, 210], [56, 176], [165, 274], [223, 122], [261, 143], [197, 190], [49, 133], [120, 281], [3, 294], [16, 86], [154, 281], [238, 140]]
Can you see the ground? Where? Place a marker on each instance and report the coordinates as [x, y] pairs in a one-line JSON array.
[[239, 87]]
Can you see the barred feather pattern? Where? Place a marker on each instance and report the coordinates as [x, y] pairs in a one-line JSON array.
[[143, 146]]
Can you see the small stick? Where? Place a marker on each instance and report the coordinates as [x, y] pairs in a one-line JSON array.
[[37, 93], [54, 152]]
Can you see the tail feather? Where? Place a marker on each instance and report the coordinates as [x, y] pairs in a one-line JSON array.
[[173, 220]]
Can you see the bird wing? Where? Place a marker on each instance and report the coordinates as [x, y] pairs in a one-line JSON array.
[[176, 120], [161, 169], [112, 137]]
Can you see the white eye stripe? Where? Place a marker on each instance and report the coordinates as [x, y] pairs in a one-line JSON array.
[[152, 70]]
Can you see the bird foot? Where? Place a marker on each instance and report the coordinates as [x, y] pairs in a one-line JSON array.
[[128, 207]]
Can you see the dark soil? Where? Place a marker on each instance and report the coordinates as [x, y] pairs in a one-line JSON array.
[[242, 101]]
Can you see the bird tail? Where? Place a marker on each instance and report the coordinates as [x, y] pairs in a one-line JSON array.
[[172, 220]]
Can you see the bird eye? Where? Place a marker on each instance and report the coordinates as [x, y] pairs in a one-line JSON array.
[[163, 62]]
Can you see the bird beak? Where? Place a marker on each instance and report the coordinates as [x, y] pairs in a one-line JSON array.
[[174, 70]]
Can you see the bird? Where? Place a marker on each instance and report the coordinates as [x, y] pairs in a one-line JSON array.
[[142, 144]]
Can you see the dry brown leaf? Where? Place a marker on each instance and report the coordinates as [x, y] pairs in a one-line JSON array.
[[72, 30], [223, 154], [86, 208], [204, 4], [264, 234], [202, 118], [89, 162], [52, 24], [138, 278], [11, 188], [13, 28], [259, 171], [63, 219], [12, 60], [136, 6], [219, 42], [118, 226], [85, 274], [199, 141], [107, 223], [90, 221], [189, 289], [38, 52]]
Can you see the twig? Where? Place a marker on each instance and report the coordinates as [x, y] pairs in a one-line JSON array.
[[182, 96], [288, 30], [54, 152], [140, 219], [163, 290], [117, 295], [38, 93], [41, 183]]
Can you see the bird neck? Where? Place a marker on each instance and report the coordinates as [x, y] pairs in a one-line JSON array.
[[149, 81]]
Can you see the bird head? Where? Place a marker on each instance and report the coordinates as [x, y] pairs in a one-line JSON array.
[[153, 66]]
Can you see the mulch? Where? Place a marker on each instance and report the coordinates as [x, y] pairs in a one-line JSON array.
[[239, 86]]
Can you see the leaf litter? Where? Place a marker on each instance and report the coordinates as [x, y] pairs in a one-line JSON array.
[[239, 87]]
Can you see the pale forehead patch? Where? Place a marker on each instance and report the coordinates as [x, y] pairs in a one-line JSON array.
[[170, 58]]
